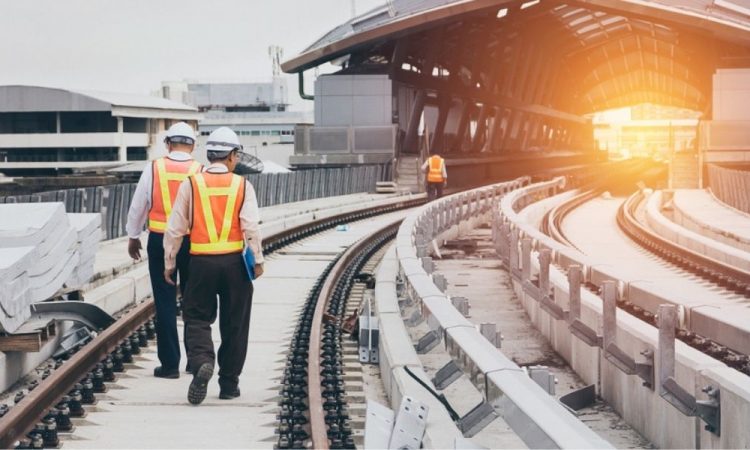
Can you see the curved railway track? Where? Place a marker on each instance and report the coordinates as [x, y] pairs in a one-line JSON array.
[[37, 417], [314, 367], [724, 275], [727, 277]]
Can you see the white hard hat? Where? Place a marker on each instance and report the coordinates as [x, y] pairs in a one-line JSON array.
[[222, 141], [180, 133]]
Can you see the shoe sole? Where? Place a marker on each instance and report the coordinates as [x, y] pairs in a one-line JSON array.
[[227, 396], [199, 385]]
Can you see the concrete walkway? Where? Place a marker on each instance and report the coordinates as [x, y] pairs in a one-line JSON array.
[[699, 211], [141, 411]]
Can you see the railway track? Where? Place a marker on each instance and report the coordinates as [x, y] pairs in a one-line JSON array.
[[36, 419], [723, 276], [314, 365]]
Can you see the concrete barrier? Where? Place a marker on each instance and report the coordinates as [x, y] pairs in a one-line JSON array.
[[538, 419], [396, 352], [623, 339], [680, 235]]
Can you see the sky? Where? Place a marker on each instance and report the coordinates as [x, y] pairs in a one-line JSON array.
[[134, 45]]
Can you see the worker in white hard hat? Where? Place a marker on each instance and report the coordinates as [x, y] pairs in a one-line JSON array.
[[151, 206], [219, 211]]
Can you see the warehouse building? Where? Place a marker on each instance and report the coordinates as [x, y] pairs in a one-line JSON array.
[[43, 129]]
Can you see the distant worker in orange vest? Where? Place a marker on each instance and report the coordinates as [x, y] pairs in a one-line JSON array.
[[151, 205], [219, 211], [437, 176]]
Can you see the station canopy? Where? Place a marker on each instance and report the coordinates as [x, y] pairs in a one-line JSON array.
[[570, 57]]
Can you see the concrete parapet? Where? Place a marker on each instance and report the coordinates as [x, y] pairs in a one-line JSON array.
[[113, 296], [648, 408], [685, 207], [498, 378], [396, 352], [680, 235]]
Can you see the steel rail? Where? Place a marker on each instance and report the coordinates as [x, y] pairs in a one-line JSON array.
[[318, 429], [23, 417], [552, 221], [699, 264]]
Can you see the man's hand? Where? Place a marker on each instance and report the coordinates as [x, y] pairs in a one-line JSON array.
[[134, 248], [445, 183], [168, 275], [258, 270]]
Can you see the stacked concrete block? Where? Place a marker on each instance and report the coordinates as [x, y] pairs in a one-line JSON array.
[[88, 228], [14, 285], [42, 251]]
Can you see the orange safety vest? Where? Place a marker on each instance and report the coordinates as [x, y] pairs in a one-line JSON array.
[[435, 174], [217, 199], [167, 176]]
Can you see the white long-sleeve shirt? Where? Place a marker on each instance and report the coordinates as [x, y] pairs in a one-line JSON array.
[[141, 204], [180, 221]]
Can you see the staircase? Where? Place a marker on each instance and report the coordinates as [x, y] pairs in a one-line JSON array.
[[683, 173], [408, 175]]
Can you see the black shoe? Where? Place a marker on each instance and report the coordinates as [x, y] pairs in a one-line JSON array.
[[161, 372], [228, 394], [199, 385], [188, 369]]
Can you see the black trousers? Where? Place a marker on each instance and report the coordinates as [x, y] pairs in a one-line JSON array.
[[434, 190], [223, 276], [165, 298]]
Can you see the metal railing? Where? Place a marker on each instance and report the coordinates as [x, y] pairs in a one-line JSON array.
[[113, 201]]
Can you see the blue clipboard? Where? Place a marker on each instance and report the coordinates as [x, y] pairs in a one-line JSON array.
[[249, 259]]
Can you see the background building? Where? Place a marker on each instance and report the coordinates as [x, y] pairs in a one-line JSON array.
[[48, 129], [257, 112]]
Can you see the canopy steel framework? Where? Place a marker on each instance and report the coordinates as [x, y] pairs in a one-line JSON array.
[[511, 75]]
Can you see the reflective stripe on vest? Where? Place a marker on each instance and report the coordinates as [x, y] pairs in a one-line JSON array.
[[167, 176], [435, 174], [224, 194]]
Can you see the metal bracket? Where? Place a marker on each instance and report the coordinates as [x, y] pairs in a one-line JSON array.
[[410, 424], [72, 340], [580, 398], [369, 335], [530, 288], [628, 365], [543, 377], [427, 342], [440, 282], [475, 420], [553, 308], [378, 425], [489, 331], [415, 318], [447, 375], [708, 410], [586, 334], [461, 304], [77, 311]]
